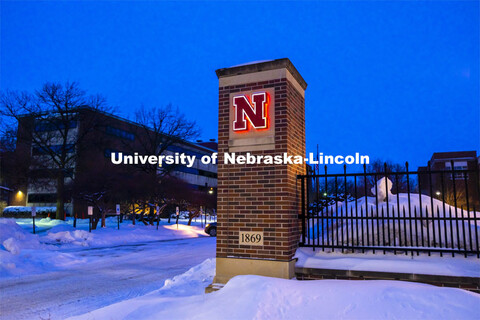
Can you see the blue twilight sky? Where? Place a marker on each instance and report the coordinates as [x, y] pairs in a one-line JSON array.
[[394, 80]]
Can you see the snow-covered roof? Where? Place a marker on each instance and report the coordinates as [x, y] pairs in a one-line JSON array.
[[5, 188], [249, 63]]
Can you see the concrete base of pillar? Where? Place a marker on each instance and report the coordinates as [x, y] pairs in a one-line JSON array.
[[214, 287], [228, 268]]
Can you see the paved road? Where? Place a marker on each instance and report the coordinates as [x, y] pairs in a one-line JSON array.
[[111, 275]]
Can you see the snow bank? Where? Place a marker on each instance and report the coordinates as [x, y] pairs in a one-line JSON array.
[[409, 233], [48, 222], [194, 281], [21, 252], [128, 234], [422, 264], [255, 297], [40, 224], [14, 238], [77, 237], [380, 191]]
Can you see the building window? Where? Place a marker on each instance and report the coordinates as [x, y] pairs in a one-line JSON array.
[[50, 173], [108, 153], [185, 169], [207, 174], [42, 197], [57, 149], [457, 165], [120, 133], [53, 125], [179, 149]]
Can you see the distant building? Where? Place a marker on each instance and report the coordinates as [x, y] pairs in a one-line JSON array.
[[7, 196], [5, 191], [114, 135], [444, 184], [211, 144]]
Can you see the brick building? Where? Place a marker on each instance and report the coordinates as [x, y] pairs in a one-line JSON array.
[[5, 191], [443, 181], [110, 134]]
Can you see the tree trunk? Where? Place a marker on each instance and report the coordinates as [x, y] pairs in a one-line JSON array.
[[95, 220], [60, 196], [191, 216], [142, 217], [133, 214], [152, 216], [104, 225]]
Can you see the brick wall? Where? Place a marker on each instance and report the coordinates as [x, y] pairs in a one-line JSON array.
[[262, 197], [467, 283]]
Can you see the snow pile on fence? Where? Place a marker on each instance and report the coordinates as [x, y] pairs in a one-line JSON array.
[[256, 297], [401, 220]]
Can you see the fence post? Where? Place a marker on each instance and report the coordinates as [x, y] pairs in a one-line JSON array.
[[303, 209]]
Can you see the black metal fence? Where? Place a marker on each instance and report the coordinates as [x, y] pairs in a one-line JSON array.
[[400, 212]]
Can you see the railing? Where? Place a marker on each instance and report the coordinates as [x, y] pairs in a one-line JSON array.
[[400, 212]]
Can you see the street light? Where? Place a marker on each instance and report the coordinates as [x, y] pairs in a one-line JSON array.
[[19, 196]]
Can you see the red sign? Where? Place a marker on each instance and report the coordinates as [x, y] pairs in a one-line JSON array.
[[251, 115]]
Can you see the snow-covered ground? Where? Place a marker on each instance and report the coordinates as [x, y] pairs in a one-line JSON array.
[[139, 272], [422, 264], [255, 297], [64, 271], [22, 252]]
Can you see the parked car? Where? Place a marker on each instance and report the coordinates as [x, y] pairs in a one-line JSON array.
[[211, 229]]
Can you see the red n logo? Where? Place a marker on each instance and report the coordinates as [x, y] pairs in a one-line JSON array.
[[256, 113]]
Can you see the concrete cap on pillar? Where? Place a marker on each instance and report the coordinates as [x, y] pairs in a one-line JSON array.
[[263, 66]]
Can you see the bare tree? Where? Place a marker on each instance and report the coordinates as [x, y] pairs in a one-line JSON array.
[[157, 130], [51, 126], [323, 193], [8, 137]]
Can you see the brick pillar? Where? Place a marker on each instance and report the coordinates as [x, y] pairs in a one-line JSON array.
[[260, 199]]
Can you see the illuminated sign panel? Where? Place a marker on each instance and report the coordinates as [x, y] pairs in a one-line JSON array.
[[251, 120], [251, 113]]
